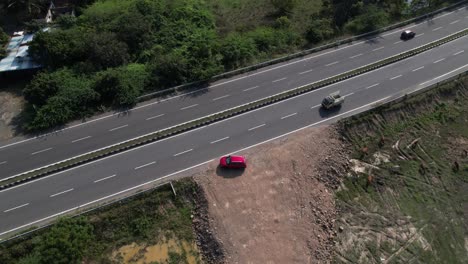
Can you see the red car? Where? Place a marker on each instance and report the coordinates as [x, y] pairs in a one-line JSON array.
[[233, 162]]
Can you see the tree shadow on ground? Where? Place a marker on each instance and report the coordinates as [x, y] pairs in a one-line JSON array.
[[229, 173]]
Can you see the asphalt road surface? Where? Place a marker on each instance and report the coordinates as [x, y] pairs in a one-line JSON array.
[[37, 201], [20, 155]]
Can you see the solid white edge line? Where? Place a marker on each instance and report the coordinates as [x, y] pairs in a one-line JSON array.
[[284, 117], [222, 97], [69, 190], [212, 86], [417, 69], [378, 49], [282, 79], [251, 88], [458, 53], [17, 207], [355, 56], [40, 151], [177, 172], [396, 77], [437, 61], [117, 128], [183, 152], [224, 120], [105, 178], [103, 198], [145, 165], [80, 139], [333, 63], [219, 140], [255, 127], [375, 84], [304, 72], [187, 107], [438, 77], [153, 117]]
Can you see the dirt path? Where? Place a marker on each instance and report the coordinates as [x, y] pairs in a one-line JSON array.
[[10, 106], [279, 210]]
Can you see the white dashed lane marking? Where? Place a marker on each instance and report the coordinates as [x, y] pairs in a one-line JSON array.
[[253, 128], [183, 152], [221, 97], [80, 139], [374, 85], [333, 63], [305, 72], [219, 140], [17, 207], [284, 117], [190, 106], [146, 165], [251, 88], [117, 128], [60, 193], [355, 56], [279, 80], [105, 178], [40, 151], [396, 77], [154, 117]]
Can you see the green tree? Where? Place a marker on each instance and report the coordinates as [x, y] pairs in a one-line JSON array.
[[284, 6], [120, 87], [66, 21], [67, 241], [106, 51], [372, 18], [60, 47], [319, 30], [237, 50], [3, 41]]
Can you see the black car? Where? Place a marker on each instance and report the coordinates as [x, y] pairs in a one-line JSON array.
[[407, 34]]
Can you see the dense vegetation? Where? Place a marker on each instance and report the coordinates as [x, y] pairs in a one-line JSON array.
[[148, 218], [116, 50], [3, 41]]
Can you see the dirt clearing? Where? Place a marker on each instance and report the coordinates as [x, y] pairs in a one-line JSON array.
[[279, 210]]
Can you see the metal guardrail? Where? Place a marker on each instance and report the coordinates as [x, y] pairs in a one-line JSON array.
[[164, 181], [203, 121], [391, 102], [303, 53]]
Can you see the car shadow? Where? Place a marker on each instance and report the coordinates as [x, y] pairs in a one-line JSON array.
[[229, 173], [326, 113]]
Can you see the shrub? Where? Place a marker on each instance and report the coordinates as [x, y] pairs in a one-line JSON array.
[[237, 50], [371, 19]]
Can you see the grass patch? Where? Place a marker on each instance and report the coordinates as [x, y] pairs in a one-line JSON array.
[[147, 219], [414, 208]]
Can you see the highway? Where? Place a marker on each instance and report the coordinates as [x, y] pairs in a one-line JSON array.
[[37, 201], [23, 154]]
